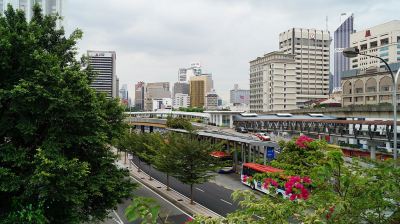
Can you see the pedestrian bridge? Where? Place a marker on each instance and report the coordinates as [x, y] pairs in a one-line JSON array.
[[204, 117]]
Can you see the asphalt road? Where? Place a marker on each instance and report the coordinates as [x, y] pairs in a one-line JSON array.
[[210, 195], [168, 211]]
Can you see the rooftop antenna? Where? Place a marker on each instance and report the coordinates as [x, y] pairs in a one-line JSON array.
[[326, 20]]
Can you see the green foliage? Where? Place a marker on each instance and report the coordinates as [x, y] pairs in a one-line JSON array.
[[191, 109], [55, 165], [341, 192], [142, 208], [300, 161], [179, 123]]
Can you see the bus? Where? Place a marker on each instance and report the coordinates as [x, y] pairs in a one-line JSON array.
[[226, 159], [250, 169]]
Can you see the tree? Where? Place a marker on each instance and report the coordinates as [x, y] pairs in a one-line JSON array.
[[55, 163], [194, 165], [165, 159], [341, 192], [179, 123], [145, 209]]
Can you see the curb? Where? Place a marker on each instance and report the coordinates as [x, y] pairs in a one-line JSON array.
[[170, 199]]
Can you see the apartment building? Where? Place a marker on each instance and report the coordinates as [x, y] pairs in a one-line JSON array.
[[311, 49], [273, 82]]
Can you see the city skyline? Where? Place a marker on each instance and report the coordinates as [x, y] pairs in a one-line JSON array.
[[154, 42]]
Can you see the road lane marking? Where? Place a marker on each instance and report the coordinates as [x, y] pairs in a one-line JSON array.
[[177, 192], [161, 196], [225, 201], [199, 189], [119, 221]]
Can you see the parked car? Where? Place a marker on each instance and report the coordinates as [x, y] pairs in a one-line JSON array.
[[241, 129], [263, 136]]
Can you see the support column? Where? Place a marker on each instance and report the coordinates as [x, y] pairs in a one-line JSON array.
[[243, 147], [265, 156], [235, 157], [372, 148], [142, 128], [151, 128]]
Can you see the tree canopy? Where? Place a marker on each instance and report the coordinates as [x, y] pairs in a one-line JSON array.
[[55, 163]]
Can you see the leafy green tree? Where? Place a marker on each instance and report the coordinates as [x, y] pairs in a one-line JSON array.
[[165, 159], [341, 193], [179, 123], [145, 209], [193, 161], [55, 163]]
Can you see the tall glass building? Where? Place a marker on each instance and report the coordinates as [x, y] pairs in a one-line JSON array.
[[49, 6], [341, 40]]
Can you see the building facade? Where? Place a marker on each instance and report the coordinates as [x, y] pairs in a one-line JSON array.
[[181, 87], [49, 7], [341, 40], [155, 90], [382, 40], [181, 100], [239, 96], [162, 104], [197, 93], [211, 101], [139, 95], [184, 74], [103, 64], [273, 82], [124, 95], [311, 48], [362, 87]]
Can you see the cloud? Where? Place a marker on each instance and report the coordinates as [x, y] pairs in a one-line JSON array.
[[154, 38]]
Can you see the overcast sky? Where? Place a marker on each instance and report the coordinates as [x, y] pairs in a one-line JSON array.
[[154, 38]]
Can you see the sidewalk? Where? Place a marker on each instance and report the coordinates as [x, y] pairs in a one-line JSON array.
[[173, 196]]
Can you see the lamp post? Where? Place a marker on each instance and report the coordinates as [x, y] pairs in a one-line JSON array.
[[354, 52]]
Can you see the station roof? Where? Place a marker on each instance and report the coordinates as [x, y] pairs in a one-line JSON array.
[[280, 117]]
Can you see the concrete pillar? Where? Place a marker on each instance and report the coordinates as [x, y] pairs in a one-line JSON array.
[[151, 129], [372, 148], [235, 156], [142, 128], [265, 156], [230, 121], [243, 147]]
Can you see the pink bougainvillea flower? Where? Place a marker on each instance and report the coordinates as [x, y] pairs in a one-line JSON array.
[[292, 197], [307, 180], [303, 140]]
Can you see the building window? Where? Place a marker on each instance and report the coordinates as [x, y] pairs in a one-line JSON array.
[[373, 44], [385, 41]]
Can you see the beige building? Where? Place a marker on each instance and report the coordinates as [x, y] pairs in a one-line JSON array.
[[155, 90], [382, 40], [211, 101], [197, 93], [367, 87], [312, 57], [273, 82]]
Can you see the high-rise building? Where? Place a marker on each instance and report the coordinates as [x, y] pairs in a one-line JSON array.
[[382, 40], [239, 96], [49, 7], [155, 90], [273, 82], [124, 94], [311, 49], [139, 95], [103, 64], [181, 88], [211, 101], [341, 40], [197, 93], [184, 74]]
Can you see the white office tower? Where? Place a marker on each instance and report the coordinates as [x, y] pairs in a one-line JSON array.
[[311, 48], [49, 7], [184, 74], [105, 80], [381, 40], [273, 82]]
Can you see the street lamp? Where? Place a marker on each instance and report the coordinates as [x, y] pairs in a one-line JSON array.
[[354, 52]]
